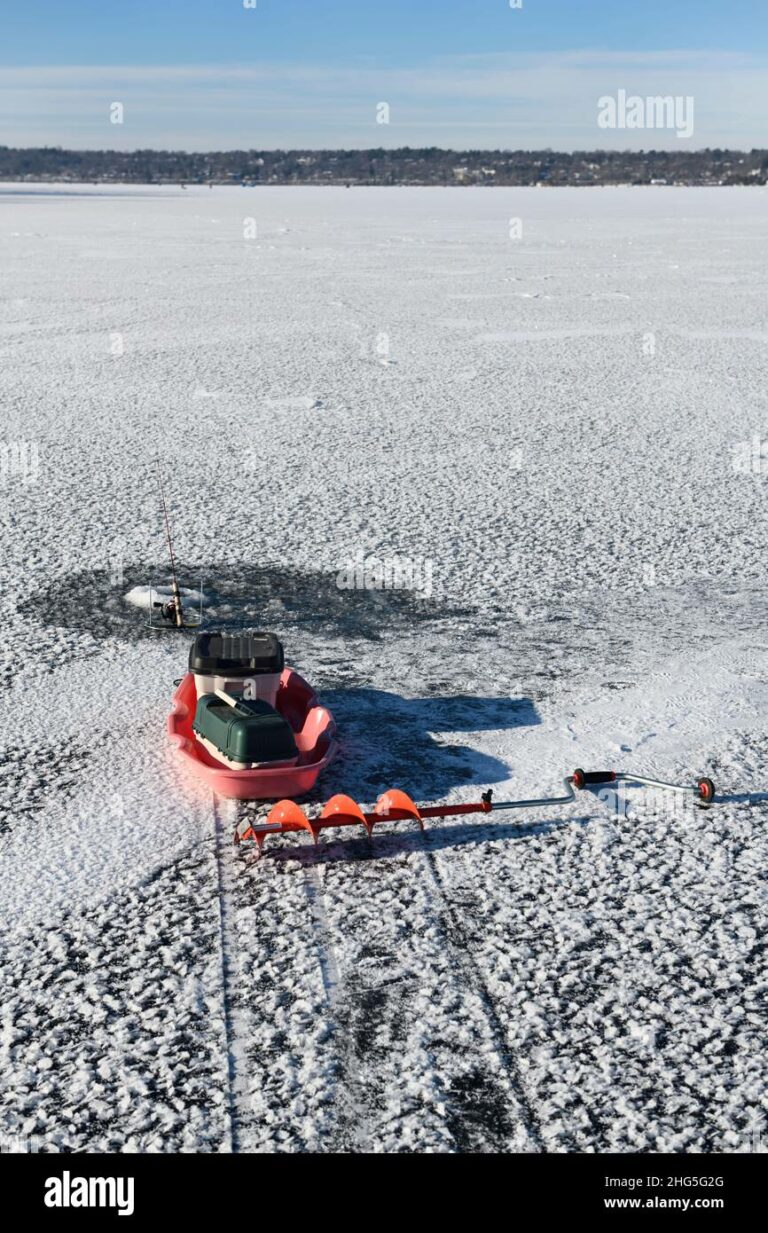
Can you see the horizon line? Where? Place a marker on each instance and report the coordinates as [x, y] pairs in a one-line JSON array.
[[389, 150]]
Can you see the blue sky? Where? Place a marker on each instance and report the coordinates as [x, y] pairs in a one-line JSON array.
[[199, 74]]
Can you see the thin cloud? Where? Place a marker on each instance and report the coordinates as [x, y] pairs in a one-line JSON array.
[[539, 99]]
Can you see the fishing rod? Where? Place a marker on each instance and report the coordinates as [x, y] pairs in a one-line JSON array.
[[177, 614]]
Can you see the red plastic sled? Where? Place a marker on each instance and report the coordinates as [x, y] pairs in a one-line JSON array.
[[314, 731]]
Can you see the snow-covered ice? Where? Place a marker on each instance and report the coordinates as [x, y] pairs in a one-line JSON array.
[[564, 433]]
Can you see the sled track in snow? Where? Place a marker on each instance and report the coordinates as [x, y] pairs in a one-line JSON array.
[[235, 1039], [352, 1131], [460, 945], [489, 1105]]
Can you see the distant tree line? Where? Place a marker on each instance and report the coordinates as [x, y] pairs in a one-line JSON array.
[[403, 166]]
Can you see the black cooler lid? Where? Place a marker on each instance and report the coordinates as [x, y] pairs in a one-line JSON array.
[[249, 654]]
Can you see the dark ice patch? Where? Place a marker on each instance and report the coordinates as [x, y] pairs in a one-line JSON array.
[[238, 596]]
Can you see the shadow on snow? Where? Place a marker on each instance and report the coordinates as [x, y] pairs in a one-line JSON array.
[[389, 845], [388, 741]]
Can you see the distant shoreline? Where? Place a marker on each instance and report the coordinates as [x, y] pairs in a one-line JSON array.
[[174, 184], [404, 167]]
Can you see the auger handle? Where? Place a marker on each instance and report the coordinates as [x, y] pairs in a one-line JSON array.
[[582, 778]]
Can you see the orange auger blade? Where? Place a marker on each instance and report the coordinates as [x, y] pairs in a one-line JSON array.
[[397, 805], [289, 817], [342, 811]]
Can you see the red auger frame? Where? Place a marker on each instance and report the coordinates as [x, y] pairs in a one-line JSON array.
[[286, 817]]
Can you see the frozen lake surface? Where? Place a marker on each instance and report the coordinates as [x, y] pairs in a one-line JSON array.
[[550, 408]]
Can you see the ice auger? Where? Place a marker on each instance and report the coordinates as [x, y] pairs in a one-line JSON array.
[[286, 817]]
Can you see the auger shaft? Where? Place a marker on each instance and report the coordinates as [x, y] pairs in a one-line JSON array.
[[570, 795]]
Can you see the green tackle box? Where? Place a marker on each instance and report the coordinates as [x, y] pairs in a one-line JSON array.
[[249, 731]]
